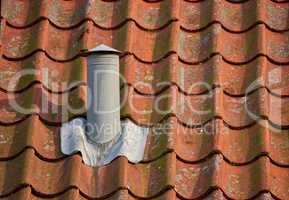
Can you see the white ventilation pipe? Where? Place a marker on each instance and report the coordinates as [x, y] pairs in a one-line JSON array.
[[103, 136], [103, 112]]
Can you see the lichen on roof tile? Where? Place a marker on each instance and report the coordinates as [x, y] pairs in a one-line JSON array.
[[237, 50]]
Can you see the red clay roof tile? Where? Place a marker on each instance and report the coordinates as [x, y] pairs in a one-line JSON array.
[[191, 47], [19, 43], [75, 194], [192, 110], [191, 144], [190, 180], [107, 15], [168, 49], [153, 78]]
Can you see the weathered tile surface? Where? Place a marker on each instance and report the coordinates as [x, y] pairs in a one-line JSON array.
[[227, 138]]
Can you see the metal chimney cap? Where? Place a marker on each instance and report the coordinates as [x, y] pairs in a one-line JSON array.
[[102, 49]]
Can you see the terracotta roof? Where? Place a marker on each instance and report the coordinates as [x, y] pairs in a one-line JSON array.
[[224, 153]]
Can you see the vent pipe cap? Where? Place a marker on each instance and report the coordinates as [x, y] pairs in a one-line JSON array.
[[102, 49]]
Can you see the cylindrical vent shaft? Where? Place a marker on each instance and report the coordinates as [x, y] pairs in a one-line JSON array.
[[103, 114]]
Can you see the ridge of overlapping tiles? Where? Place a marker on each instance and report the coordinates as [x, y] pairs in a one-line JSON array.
[[155, 14], [191, 144], [169, 169], [148, 180], [191, 110], [75, 194], [153, 78], [191, 47]]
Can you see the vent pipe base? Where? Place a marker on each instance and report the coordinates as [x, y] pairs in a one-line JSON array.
[[130, 143]]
